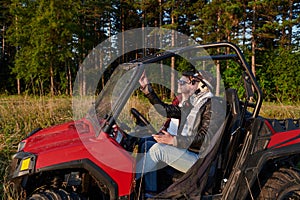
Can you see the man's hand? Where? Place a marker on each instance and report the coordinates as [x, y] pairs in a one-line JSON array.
[[143, 80], [165, 138]]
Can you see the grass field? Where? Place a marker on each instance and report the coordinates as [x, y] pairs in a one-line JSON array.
[[19, 115]]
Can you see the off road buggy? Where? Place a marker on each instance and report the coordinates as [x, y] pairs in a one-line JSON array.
[[94, 157]]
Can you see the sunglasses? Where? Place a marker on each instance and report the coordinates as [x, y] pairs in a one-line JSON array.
[[182, 82]]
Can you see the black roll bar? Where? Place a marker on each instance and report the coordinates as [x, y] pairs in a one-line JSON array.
[[237, 56]]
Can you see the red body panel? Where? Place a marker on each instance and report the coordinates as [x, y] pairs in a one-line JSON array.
[[69, 144], [281, 139]]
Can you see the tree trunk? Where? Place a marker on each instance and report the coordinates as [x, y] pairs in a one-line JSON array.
[[18, 86], [162, 90], [81, 78], [51, 80], [218, 77], [172, 95], [253, 40], [70, 80], [290, 28], [122, 18]]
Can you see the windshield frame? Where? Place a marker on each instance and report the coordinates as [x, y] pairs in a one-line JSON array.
[[95, 116]]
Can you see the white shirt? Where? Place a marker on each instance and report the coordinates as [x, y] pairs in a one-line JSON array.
[[173, 126]]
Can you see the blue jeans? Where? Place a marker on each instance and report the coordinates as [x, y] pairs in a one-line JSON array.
[[145, 144], [180, 159], [150, 178]]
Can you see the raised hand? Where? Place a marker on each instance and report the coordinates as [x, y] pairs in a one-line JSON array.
[[143, 80]]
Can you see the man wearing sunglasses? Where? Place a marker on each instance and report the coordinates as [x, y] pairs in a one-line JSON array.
[[185, 89], [181, 150]]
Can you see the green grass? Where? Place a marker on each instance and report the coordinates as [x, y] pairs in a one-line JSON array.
[[19, 115]]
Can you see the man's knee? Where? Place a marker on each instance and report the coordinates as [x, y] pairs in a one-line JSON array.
[[157, 149], [157, 146]]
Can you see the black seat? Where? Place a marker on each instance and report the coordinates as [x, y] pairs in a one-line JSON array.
[[224, 160], [234, 109], [232, 136]]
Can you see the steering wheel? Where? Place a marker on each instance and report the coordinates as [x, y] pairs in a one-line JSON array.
[[142, 121]]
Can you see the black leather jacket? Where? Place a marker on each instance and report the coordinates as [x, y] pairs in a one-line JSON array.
[[167, 110], [201, 127]]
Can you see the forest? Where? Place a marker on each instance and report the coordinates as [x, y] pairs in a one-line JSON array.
[[44, 42]]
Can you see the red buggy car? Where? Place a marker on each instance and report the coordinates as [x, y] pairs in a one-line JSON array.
[[93, 157]]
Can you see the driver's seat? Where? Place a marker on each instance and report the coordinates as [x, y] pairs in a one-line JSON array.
[[232, 137]]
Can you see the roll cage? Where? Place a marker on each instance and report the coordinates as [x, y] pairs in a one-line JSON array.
[[231, 51]]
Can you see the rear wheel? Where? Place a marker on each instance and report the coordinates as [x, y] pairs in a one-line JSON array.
[[284, 184]]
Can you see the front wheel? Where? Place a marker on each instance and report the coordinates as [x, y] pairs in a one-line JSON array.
[[54, 195], [284, 184]]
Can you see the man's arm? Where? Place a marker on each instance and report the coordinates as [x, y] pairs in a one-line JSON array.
[[166, 110]]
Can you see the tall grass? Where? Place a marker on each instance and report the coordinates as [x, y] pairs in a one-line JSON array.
[[19, 115], [280, 111]]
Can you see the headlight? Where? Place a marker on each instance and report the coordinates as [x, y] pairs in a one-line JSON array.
[[23, 163]]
